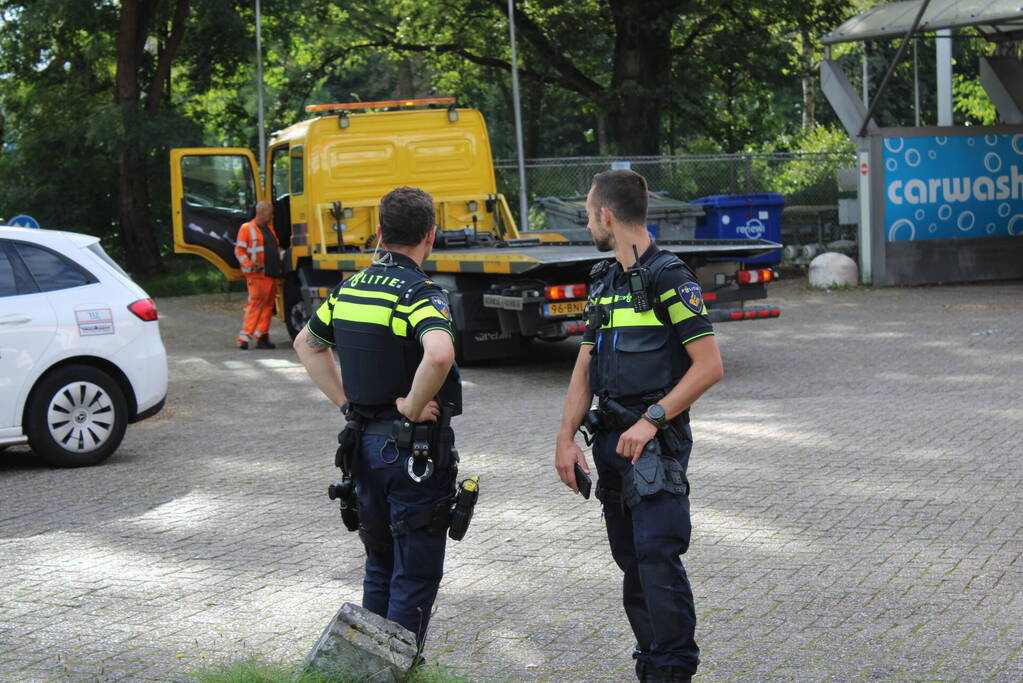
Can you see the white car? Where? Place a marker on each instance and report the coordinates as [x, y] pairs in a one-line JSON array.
[[80, 349]]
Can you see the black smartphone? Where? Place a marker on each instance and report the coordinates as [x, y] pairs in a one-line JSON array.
[[582, 480]]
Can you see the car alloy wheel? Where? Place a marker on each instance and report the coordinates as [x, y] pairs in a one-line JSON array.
[[76, 416], [81, 417]]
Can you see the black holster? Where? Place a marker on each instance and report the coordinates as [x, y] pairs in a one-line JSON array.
[[656, 470], [434, 440], [345, 458]]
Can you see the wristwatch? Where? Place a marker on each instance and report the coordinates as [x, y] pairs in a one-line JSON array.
[[655, 416]]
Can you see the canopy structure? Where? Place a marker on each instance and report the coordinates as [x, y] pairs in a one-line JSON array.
[[997, 20]]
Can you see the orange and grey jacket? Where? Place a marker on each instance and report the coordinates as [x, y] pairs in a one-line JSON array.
[[257, 250]]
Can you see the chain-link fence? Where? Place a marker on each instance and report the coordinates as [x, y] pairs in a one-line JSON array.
[[806, 180]]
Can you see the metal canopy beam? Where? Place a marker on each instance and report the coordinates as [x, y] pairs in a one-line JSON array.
[[996, 19]]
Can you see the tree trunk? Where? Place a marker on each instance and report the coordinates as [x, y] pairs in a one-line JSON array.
[[809, 80], [642, 67], [141, 251], [406, 89]]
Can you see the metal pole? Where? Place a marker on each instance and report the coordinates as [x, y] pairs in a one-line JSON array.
[[523, 199], [891, 67], [943, 38], [866, 78], [916, 86], [259, 90]]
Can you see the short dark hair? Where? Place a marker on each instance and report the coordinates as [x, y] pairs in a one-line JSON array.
[[406, 216], [623, 192]]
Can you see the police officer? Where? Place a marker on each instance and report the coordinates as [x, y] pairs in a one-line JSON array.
[[651, 359], [391, 327]]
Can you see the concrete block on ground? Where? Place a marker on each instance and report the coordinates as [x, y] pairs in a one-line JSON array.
[[833, 270], [362, 644]]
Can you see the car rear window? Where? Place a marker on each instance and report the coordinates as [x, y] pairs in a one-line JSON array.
[[52, 271], [98, 250], [7, 286]]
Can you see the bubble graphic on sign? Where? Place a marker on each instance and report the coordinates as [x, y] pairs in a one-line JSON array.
[[1017, 144], [991, 140], [1003, 210], [971, 142], [913, 157], [966, 220], [726, 219], [992, 162], [941, 139], [902, 222], [919, 214], [894, 144], [932, 155], [1016, 225], [944, 212], [932, 228], [990, 228], [891, 164]]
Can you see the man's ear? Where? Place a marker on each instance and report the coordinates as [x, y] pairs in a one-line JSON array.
[[606, 215], [380, 234], [431, 235]]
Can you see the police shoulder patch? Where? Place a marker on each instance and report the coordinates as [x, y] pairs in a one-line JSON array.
[[441, 305], [691, 296]]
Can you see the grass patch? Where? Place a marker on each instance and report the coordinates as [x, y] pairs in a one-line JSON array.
[[188, 277], [258, 671]]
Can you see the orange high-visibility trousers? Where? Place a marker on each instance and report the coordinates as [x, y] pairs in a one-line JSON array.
[[259, 308]]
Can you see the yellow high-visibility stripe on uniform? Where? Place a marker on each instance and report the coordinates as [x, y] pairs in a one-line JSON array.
[[409, 309], [368, 294], [424, 313], [363, 313], [323, 312], [679, 312], [627, 317]]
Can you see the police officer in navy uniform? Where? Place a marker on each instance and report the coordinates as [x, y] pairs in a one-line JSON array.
[[654, 364], [391, 328]]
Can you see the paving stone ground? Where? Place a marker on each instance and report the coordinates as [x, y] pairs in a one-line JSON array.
[[857, 493]]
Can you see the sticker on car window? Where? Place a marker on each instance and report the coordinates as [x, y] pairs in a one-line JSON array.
[[94, 321]]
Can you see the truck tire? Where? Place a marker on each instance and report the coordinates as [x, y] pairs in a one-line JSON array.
[[76, 416], [296, 314]]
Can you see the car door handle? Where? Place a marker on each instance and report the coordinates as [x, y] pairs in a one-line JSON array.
[[14, 320]]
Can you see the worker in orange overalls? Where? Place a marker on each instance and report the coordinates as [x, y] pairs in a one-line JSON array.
[[259, 256]]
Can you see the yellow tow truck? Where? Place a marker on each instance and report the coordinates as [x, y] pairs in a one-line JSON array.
[[325, 178]]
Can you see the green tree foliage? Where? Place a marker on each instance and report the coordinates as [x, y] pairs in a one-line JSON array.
[[93, 93]]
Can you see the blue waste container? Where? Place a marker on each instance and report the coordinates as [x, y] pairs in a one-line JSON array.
[[742, 216]]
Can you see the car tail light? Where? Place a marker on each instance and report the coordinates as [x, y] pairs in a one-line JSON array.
[[565, 292], [749, 277], [145, 309]]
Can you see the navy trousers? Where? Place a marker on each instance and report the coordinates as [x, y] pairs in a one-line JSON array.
[[646, 543], [403, 572]]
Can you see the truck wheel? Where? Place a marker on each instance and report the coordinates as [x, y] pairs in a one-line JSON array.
[[295, 313], [76, 417]]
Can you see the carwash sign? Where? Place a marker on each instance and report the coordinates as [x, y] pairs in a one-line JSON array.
[[953, 187]]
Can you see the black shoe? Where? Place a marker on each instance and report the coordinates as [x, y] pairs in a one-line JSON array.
[[244, 346], [265, 343]]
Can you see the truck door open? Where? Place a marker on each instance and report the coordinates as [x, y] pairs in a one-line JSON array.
[[214, 190]]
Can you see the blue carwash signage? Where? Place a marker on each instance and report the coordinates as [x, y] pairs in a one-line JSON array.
[[953, 187]]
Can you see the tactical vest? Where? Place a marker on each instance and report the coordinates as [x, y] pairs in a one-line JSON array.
[[634, 354], [378, 354]]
